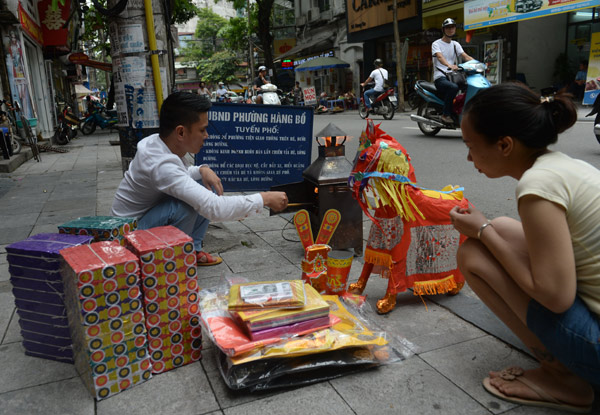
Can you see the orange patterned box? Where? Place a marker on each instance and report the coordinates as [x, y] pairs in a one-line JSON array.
[[170, 287], [106, 320]]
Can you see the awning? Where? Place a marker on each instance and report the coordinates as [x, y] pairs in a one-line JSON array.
[[304, 46], [324, 62], [81, 90]]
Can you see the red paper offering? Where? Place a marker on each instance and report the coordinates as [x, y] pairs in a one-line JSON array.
[[106, 321], [168, 272]]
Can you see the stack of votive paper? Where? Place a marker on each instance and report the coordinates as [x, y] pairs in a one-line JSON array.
[[102, 228], [106, 317], [34, 267]]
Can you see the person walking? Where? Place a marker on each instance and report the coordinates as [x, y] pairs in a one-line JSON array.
[[541, 274], [445, 53]]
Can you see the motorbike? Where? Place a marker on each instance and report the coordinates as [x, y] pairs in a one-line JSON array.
[[99, 117], [596, 111], [384, 104], [66, 130], [430, 111], [270, 95]]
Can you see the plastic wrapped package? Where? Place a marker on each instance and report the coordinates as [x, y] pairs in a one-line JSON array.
[[267, 294], [102, 228], [351, 330]]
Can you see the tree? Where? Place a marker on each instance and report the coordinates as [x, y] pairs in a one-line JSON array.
[[220, 67], [207, 30]]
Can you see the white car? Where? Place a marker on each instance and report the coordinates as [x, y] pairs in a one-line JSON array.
[[235, 98]]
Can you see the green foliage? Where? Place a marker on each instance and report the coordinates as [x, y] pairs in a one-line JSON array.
[[95, 34], [221, 66], [183, 10], [235, 34]]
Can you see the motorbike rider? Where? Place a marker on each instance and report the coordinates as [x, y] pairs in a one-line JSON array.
[[445, 52], [259, 81], [379, 75], [221, 92]]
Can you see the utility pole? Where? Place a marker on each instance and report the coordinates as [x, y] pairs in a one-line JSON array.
[[399, 74], [250, 48], [139, 34]]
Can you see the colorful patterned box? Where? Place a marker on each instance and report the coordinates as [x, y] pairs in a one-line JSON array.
[[34, 267], [106, 320], [102, 228], [168, 271]]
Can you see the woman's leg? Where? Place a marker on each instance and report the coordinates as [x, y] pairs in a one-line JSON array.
[[505, 298]]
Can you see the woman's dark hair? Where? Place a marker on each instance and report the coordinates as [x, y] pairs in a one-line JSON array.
[[512, 109], [181, 108]]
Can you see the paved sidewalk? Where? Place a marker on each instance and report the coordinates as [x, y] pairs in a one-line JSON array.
[[444, 376]]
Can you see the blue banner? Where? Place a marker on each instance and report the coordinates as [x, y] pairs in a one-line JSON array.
[[254, 147]]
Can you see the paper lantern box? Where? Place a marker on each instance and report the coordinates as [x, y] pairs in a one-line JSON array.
[[102, 228], [34, 268], [168, 272], [106, 320]]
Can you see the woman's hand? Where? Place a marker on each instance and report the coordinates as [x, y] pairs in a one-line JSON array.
[[467, 221], [211, 181]]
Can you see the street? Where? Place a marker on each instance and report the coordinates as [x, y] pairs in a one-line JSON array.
[[442, 160]]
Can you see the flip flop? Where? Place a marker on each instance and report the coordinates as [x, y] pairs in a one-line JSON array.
[[547, 402], [204, 259]]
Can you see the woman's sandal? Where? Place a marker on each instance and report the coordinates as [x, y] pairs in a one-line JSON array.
[[515, 374]]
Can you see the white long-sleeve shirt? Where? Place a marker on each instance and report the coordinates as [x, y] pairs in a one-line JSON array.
[[155, 172]]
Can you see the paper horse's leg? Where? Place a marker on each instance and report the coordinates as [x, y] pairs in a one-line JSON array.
[[359, 286], [388, 302]]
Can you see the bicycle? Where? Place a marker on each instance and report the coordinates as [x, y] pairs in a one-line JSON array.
[[30, 139], [6, 123]]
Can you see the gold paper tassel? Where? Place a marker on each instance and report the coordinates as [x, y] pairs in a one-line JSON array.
[[378, 258], [434, 287]]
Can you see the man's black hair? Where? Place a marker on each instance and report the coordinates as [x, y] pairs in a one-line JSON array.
[[181, 108]]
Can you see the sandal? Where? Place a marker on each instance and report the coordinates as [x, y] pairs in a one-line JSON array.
[[204, 259], [514, 374]]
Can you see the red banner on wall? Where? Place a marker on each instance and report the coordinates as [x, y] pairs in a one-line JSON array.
[[53, 22], [30, 26]]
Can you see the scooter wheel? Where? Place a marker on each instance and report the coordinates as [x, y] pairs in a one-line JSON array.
[[427, 112], [88, 127], [61, 137], [16, 145], [362, 110]]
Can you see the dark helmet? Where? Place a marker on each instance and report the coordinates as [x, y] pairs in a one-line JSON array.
[[448, 22], [378, 62]]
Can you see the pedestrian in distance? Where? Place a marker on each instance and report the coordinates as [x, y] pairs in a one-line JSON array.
[[541, 274], [380, 76], [203, 90], [445, 53], [161, 188]]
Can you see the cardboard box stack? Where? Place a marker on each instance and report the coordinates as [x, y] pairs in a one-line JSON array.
[[102, 228], [34, 267], [168, 272], [106, 318]]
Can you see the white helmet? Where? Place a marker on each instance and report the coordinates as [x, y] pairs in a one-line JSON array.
[[262, 68], [448, 22], [221, 83]]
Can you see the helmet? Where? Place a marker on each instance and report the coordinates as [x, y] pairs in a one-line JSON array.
[[378, 62], [221, 83], [262, 68], [448, 22]]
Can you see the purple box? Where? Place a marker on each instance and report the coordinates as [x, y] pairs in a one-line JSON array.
[[50, 319], [46, 339], [56, 351], [37, 285], [49, 357], [51, 329], [39, 296], [35, 273], [37, 307], [46, 245]]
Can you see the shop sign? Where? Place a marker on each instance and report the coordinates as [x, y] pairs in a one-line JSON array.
[[592, 84], [53, 21], [78, 57], [366, 14], [287, 64], [300, 61], [484, 13], [30, 26], [310, 96], [254, 147], [281, 46]]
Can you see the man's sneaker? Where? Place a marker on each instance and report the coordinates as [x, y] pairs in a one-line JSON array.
[[204, 259], [447, 119]]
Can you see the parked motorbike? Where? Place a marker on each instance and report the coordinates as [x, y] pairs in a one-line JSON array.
[[596, 111], [430, 110], [384, 104], [99, 117], [270, 95], [66, 130], [7, 125]]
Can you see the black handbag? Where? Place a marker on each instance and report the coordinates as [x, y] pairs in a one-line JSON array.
[[457, 77]]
